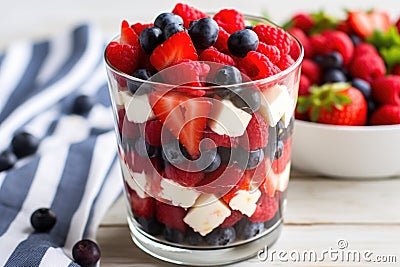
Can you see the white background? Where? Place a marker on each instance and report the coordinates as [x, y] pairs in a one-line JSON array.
[[22, 19]]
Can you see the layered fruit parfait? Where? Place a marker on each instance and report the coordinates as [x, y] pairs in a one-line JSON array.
[[204, 115]]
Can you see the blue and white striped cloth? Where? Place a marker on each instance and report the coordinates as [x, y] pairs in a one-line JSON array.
[[75, 171]]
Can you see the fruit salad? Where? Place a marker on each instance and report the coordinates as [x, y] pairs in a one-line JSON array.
[[204, 116], [351, 70]]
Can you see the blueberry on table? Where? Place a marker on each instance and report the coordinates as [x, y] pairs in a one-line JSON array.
[[24, 144], [167, 18], [86, 253], [221, 236], [246, 229], [7, 160], [204, 32], [241, 42], [173, 235], [150, 38], [82, 105], [43, 219]]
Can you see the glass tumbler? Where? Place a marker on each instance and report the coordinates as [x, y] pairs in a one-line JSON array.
[[205, 167]]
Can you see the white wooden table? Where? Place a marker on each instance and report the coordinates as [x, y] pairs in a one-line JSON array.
[[321, 211], [323, 214]]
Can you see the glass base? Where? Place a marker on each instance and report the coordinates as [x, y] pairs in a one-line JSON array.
[[201, 256]]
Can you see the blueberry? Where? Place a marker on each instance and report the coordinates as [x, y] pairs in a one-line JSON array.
[[332, 60], [144, 149], [173, 235], [271, 222], [171, 29], [209, 161], [355, 39], [371, 105], [7, 160], [241, 42], [150, 225], [228, 75], [363, 86], [224, 153], [82, 105], [255, 158], [204, 32], [173, 153], [134, 85], [24, 144], [333, 75], [150, 38], [193, 238], [221, 236], [279, 150], [86, 253], [246, 99], [246, 229], [164, 19], [43, 220]]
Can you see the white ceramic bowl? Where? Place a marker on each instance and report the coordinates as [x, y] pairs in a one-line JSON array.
[[347, 151]]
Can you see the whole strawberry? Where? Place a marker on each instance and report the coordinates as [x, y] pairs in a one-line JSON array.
[[335, 103]]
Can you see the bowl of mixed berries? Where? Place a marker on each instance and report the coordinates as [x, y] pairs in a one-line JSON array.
[[348, 110]]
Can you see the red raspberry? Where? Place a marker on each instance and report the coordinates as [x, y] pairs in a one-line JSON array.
[[129, 129], [364, 48], [303, 21], [367, 66], [171, 216], [271, 51], [398, 24], [213, 55], [123, 57], [303, 39], [304, 85], [230, 19], [396, 69], [182, 177], [220, 181], [256, 135], [285, 62], [152, 132], [386, 90], [266, 209], [232, 219], [274, 36], [318, 44], [257, 66], [139, 27], [221, 140], [385, 115], [312, 70], [222, 41], [340, 42], [188, 13], [142, 207], [140, 164]]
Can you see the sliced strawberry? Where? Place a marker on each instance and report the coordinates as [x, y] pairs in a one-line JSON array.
[[171, 216], [243, 184], [188, 13], [139, 27], [365, 23], [128, 35], [142, 207], [173, 50], [186, 118], [230, 19]]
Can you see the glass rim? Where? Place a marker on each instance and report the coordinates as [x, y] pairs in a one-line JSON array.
[[266, 80]]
